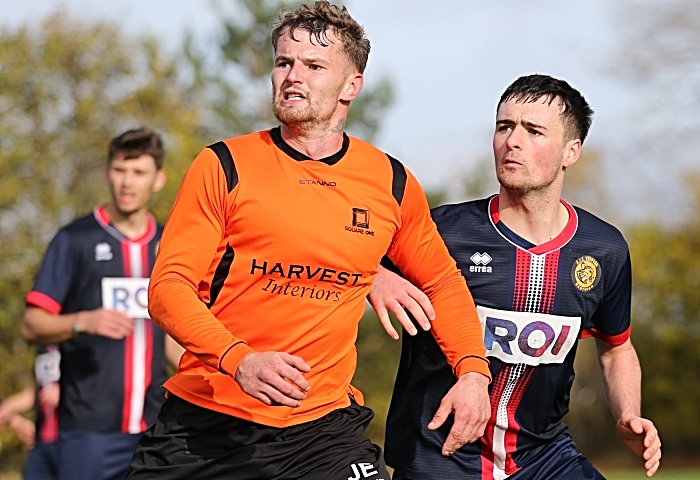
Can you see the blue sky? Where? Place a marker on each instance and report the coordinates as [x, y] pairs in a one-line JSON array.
[[449, 60]]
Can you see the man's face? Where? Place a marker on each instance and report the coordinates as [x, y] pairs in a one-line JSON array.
[[529, 146], [309, 81], [132, 182]]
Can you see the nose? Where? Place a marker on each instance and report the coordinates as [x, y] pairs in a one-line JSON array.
[[514, 140], [295, 73]]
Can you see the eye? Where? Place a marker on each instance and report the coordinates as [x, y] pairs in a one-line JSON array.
[[503, 128], [313, 66], [282, 64], [534, 132]]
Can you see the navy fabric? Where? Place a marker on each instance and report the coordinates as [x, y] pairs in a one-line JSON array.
[[531, 397]]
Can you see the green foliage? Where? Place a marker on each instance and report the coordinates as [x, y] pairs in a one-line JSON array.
[[65, 89], [377, 363]]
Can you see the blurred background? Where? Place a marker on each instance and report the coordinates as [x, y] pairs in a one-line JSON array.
[[74, 73]]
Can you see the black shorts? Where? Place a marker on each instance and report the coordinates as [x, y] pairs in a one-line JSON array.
[[190, 442]]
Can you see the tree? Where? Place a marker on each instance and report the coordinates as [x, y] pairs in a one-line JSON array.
[[66, 88]]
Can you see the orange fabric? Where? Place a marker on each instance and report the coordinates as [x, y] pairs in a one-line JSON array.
[[300, 273]]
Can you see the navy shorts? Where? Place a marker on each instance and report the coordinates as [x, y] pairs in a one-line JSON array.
[[558, 461], [42, 462], [190, 442], [82, 454]]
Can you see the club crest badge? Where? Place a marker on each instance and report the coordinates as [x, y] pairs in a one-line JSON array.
[[586, 273]]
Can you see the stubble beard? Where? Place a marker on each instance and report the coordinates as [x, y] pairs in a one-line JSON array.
[[309, 118]]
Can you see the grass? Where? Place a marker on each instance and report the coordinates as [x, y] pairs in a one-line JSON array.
[[662, 474]]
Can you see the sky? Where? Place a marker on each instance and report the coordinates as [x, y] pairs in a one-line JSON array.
[[449, 61]]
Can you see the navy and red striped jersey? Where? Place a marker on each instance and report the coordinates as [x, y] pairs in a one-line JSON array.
[[106, 384], [534, 302]]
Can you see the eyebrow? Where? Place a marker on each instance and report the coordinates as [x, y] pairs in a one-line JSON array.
[[507, 121]]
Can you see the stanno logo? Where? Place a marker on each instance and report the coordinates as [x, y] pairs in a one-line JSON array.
[[321, 183], [103, 252], [481, 260]]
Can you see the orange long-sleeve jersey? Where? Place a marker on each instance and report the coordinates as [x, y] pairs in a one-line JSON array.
[[267, 250]]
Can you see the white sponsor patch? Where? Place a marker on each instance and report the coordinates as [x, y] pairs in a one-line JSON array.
[[129, 295], [530, 338], [47, 367]]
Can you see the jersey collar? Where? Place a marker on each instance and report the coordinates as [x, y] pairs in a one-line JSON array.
[[554, 244], [276, 135], [105, 222]]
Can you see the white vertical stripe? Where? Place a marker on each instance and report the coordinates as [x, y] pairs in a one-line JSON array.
[[499, 432], [138, 360], [532, 302], [534, 290], [138, 376], [135, 259]]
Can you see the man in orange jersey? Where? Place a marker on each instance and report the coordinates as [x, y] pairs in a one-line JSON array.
[[270, 250]]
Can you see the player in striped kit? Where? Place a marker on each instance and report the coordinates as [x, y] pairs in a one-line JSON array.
[[112, 366], [543, 274]]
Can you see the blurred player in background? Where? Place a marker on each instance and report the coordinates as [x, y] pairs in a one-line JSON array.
[[112, 365]]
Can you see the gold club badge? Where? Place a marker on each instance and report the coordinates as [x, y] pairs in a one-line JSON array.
[[586, 273]]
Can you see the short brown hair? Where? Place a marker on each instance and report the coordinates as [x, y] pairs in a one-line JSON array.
[[137, 142], [320, 17]]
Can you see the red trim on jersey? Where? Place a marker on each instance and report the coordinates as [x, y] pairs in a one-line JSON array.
[[559, 241], [102, 216], [148, 360], [128, 348], [128, 379], [104, 220], [564, 237], [511, 434], [41, 300], [522, 280], [549, 282], [144, 260], [615, 340]]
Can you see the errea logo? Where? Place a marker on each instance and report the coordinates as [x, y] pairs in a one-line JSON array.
[[481, 260], [103, 252]]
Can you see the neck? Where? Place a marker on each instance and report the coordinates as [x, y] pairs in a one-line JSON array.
[[536, 218], [131, 225], [315, 143]]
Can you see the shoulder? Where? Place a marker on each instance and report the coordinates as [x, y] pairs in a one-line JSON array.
[[79, 227], [476, 209], [597, 230]]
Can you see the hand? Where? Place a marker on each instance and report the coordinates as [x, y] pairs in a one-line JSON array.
[[23, 428], [50, 394], [642, 438], [274, 378], [469, 400], [107, 323], [391, 293]]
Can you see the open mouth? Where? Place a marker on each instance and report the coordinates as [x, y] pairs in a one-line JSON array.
[[293, 96]]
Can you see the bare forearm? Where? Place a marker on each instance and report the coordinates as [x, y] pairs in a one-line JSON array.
[[43, 327], [622, 378]]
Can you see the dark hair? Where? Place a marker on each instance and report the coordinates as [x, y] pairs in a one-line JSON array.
[[136, 142], [577, 115], [320, 17]]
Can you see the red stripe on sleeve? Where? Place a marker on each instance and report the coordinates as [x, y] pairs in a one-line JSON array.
[[41, 300]]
